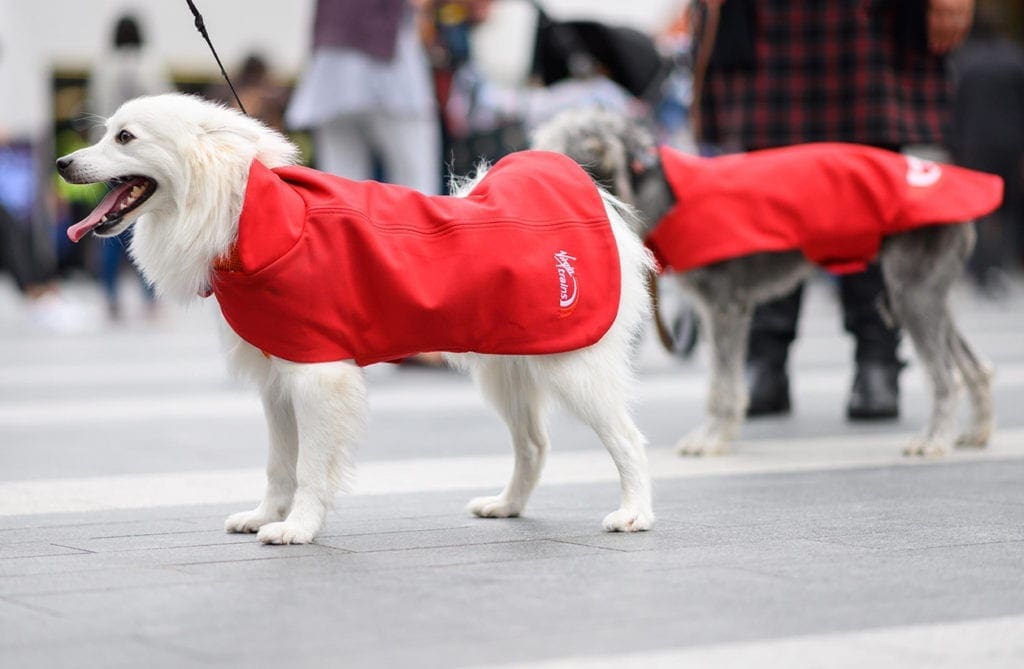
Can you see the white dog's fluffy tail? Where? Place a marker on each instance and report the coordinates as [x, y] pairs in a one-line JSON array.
[[637, 264]]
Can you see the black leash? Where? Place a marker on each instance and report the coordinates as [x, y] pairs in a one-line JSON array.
[[201, 27]]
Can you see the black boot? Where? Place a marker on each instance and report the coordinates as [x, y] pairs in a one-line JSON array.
[[768, 386], [772, 331], [876, 392]]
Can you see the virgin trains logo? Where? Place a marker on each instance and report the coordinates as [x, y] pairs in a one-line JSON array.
[[568, 289], [922, 173]]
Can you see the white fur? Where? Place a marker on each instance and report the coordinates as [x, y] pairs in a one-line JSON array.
[[199, 155]]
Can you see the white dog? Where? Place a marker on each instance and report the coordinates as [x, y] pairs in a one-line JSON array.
[[180, 169]]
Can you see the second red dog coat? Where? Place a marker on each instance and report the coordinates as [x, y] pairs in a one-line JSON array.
[[326, 269], [834, 202]]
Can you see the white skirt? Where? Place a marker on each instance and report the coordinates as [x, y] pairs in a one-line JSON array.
[[341, 81]]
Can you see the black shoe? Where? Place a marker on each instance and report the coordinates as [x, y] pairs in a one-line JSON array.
[[768, 387], [876, 392]]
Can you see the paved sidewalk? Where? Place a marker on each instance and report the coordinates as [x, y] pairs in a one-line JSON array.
[[814, 544]]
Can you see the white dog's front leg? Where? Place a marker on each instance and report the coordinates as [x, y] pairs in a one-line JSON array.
[[329, 401], [277, 500]]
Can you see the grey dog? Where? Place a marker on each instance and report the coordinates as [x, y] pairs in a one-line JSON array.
[[920, 267]]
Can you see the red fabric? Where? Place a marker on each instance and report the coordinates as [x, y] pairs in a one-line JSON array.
[[331, 269], [834, 202]]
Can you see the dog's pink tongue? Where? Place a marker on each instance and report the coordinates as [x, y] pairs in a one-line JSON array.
[[82, 228]]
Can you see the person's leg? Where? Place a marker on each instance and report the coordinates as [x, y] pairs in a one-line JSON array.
[[111, 252], [19, 255], [342, 148], [875, 392], [997, 234], [410, 149], [772, 330]]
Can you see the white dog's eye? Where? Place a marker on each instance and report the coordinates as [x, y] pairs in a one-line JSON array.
[[124, 137]]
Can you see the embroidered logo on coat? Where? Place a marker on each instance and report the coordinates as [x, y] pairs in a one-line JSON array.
[[922, 173], [568, 289]]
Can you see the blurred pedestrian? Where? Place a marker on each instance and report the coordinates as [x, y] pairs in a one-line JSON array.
[[367, 94], [368, 97], [780, 72], [988, 114], [27, 248], [262, 95], [127, 71], [479, 122]]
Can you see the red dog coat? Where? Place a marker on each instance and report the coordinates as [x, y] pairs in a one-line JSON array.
[[834, 202], [326, 269]]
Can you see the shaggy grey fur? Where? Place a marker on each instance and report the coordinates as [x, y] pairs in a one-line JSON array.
[[920, 267]]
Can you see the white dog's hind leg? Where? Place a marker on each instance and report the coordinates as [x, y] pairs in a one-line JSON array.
[[592, 383], [329, 401], [277, 500], [509, 387], [729, 326]]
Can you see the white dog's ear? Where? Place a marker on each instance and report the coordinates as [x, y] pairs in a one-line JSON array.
[[244, 133]]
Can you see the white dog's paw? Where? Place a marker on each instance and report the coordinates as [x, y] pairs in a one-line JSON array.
[[702, 442], [494, 507], [248, 521], [285, 533], [628, 520], [925, 448]]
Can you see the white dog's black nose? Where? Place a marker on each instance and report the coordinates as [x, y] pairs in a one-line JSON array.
[[63, 164]]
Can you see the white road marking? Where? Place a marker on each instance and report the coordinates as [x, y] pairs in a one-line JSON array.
[[991, 643], [143, 491], [396, 398]]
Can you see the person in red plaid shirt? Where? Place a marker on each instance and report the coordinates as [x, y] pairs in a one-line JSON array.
[[872, 72]]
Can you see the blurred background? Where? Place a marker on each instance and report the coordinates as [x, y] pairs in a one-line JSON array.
[[124, 442], [497, 68]]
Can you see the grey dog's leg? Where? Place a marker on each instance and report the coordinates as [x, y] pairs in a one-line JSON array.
[[920, 268], [728, 325], [977, 376], [509, 387], [927, 322]]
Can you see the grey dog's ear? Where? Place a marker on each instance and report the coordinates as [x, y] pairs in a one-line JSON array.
[[644, 160], [594, 146], [640, 146]]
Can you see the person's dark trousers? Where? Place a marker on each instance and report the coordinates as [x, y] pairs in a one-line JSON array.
[[999, 241], [875, 392], [17, 253], [772, 330]]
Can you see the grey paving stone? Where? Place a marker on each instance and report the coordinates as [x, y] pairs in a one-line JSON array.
[[24, 588], [113, 652], [77, 526], [33, 549], [146, 541], [226, 550]]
